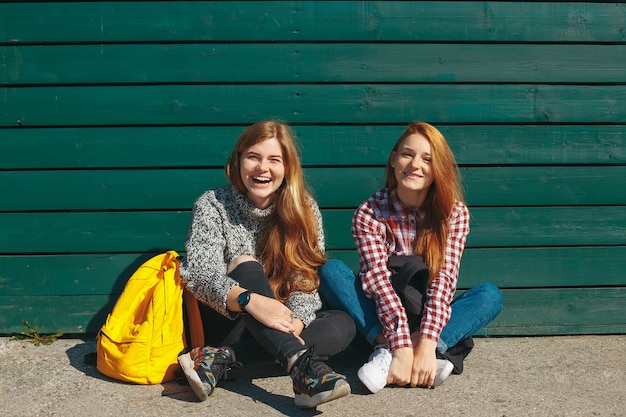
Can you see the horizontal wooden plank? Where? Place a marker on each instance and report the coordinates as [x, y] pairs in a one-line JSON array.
[[517, 227], [544, 267], [560, 311], [525, 312], [552, 226], [532, 267], [103, 232], [209, 146], [93, 274], [350, 103], [544, 186], [289, 21], [336, 187], [103, 190], [75, 314], [102, 274], [299, 63], [106, 232]]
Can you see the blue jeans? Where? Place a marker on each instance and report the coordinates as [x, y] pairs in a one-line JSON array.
[[471, 311]]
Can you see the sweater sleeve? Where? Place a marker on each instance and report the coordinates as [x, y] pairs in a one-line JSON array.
[[321, 242], [370, 238], [304, 305], [204, 269]]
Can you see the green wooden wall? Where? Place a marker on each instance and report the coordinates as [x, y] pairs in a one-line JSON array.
[[115, 116]]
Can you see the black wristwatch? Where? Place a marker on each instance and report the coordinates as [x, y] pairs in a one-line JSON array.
[[243, 299]]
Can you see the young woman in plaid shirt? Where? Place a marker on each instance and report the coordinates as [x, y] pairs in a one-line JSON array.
[[410, 236]]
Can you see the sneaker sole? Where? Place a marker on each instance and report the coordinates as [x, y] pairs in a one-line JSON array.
[[341, 389], [369, 384], [202, 388]]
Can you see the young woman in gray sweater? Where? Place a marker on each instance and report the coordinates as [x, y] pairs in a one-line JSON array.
[[253, 250]]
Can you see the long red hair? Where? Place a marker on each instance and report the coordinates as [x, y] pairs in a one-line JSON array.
[[445, 190], [288, 248]]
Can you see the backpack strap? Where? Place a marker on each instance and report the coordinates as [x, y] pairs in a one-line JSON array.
[[192, 320], [194, 331]]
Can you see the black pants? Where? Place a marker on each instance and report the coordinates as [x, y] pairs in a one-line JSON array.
[[409, 279], [330, 333]]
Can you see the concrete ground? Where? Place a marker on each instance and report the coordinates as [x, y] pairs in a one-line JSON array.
[[540, 376]]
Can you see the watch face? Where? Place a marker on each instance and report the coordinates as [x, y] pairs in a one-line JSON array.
[[243, 299]]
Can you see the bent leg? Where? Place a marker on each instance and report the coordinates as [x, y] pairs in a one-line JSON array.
[[280, 345], [330, 333], [340, 289], [409, 278], [471, 311]]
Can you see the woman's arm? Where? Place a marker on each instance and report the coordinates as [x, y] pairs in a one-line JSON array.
[[321, 241], [439, 297], [204, 268], [370, 239], [441, 291], [304, 305]]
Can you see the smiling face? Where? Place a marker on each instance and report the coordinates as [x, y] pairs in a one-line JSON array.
[[412, 169], [262, 170]]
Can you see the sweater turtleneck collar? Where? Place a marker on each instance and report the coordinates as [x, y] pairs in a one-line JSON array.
[[249, 209]]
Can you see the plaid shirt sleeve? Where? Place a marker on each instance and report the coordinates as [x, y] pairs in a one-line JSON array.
[[441, 291], [369, 233]]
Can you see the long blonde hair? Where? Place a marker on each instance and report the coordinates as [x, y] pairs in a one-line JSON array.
[[288, 248], [445, 190]]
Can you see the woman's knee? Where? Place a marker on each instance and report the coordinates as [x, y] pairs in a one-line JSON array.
[[491, 294], [249, 273], [238, 261], [333, 268], [347, 324], [331, 332], [335, 278], [341, 321]]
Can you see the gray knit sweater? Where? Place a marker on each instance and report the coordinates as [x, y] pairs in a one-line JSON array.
[[225, 225]]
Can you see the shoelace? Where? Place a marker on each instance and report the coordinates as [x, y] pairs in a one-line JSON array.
[[383, 360], [318, 367], [222, 363], [313, 364]]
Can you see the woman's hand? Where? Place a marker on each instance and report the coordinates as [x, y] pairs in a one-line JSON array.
[[424, 370], [298, 325], [265, 310], [400, 368], [271, 313]]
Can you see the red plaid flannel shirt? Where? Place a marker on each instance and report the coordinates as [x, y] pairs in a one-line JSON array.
[[382, 226]]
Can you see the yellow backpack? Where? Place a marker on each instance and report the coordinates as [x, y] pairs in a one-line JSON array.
[[144, 334]]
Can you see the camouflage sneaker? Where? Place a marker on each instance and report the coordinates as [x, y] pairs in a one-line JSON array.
[[314, 383], [203, 367]]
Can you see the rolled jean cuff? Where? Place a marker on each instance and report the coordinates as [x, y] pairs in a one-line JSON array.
[[441, 347], [373, 334]]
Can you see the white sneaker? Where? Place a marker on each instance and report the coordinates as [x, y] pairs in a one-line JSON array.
[[444, 369], [374, 373]]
